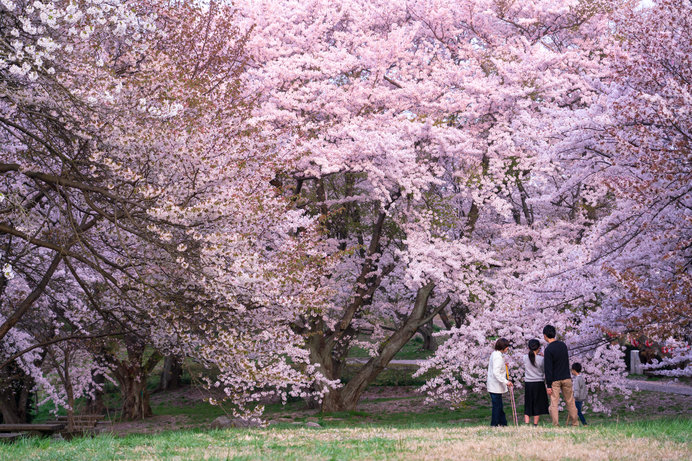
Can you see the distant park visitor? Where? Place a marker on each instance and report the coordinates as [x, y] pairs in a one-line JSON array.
[[497, 382], [558, 378]]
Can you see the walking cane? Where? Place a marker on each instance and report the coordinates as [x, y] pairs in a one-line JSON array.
[[511, 399]]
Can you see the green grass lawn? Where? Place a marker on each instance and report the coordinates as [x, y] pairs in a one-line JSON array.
[[396, 439], [374, 411], [392, 422], [380, 429], [411, 350]]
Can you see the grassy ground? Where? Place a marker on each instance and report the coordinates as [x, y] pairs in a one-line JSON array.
[[659, 439], [391, 423], [412, 350]]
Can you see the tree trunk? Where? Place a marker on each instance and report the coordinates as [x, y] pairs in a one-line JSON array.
[[69, 391], [135, 398], [131, 374], [429, 343], [322, 353], [347, 397], [445, 319], [15, 397], [334, 401], [170, 375], [12, 412], [426, 331]]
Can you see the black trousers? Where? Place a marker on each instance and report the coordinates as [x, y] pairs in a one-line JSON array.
[[498, 417]]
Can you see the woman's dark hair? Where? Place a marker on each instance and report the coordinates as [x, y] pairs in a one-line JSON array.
[[576, 366], [534, 345], [501, 344]]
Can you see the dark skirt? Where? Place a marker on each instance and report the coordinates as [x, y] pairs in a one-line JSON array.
[[535, 399]]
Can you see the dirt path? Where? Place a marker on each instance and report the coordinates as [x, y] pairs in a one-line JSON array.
[[416, 362], [660, 386]]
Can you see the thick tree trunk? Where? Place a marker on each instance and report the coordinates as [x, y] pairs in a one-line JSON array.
[[135, 398], [348, 396], [170, 375], [445, 319], [15, 397], [69, 391], [131, 374], [322, 353], [13, 412], [429, 343], [334, 401]]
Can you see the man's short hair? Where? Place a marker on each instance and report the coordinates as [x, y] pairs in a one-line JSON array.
[[576, 366], [549, 331]]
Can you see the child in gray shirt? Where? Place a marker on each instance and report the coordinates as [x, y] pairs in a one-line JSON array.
[[580, 392]]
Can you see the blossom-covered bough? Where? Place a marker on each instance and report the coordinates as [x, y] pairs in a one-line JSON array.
[[136, 178], [450, 152]]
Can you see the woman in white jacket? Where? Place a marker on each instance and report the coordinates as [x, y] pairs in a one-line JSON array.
[[497, 382]]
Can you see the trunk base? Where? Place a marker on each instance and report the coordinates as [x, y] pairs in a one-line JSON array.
[[135, 402]]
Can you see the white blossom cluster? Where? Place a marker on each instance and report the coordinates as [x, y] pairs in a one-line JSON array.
[[53, 28], [7, 271]]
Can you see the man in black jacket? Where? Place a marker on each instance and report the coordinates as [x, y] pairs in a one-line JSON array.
[[558, 377]]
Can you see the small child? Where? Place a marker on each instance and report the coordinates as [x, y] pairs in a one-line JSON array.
[[579, 386]]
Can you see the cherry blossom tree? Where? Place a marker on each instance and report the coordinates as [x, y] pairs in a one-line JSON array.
[[649, 142], [624, 155], [424, 134], [131, 165], [620, 151], [646, 147]]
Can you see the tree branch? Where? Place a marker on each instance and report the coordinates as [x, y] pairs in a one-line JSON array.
[[57, 340]]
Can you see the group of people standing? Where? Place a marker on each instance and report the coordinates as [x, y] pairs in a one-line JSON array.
[[546, 374]]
